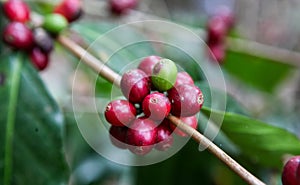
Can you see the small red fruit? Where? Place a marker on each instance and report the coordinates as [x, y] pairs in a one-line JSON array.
[[122, 6], [148, 63], [183, 78], [39, 59], [43, 40], [141, 136], [289, 173], [120, 113], [135, 85], [217, 52], [18, 35], [156, 106], [186, 100], [70, 9], [216, 30], [16, 10], [164, 139], [118, 136], [190, 121]]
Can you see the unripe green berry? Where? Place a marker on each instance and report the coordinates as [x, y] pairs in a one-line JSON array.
[[164, 74], [55, 23]]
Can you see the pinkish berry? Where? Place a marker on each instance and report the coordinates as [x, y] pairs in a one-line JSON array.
[[18, 35], [190, 121], [120, 113], [141, 136], [226, 14], [216, 30], [217, 52], [289, 173], [186, 100], [122, 6], [70, 9], [148, 63], [118, 136], [39, 59], [156, 106], [16, 10], [135, 85], [164, 139], [183, 78]]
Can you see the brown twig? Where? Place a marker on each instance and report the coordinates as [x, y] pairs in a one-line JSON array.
[[104, 71]]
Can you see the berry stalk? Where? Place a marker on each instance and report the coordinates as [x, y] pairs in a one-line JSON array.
[[104, 71]]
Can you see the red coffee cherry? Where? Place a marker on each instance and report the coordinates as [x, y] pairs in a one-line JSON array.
[[120, 113], [191, 121], [186, 100], [147, 64], [164, 139], [226, 14], [18, 35], [141, 136], [216, 29], [183, 78], [39, 58], [16, 10], [70, 9], [156, 106], [122, 6], [118, 136], [135, 85], [289, 173], [217, 52], [43, 40]]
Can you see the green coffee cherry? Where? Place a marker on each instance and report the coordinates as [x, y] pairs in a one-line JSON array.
[[164, 74], [55, 23]]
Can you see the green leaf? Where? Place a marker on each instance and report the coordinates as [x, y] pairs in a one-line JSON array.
[[263, 143], [261, 73], [31, 149]]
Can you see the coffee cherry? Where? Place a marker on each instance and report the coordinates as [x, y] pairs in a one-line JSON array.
[[289, 173], [135, 85], [122, 6], [225, 13], [43, 40], [141, 136], [164, 139], [70, 9], [216, 30], [190, 121], [18, 35], [16, 10], [164, 74], [120, 113], [186, 100], [118, 136], [55, 23], [39, 59], [183, 78], [156, 106], [217, 52], [147, 64]]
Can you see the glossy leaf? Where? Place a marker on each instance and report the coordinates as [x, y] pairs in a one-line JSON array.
[[31, 150], [264, 144]]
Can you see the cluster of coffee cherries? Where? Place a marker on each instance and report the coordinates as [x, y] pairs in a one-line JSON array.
[[291, 172], [152, 91], [122, 6], [37, 40], [218, 27]]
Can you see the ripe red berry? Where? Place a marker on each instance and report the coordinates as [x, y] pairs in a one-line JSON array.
[[226, 14], [289, 173], [183, 78], [120, 113], [135, 85], [141, 136], [70, 9], [156, 106], [122, 6], [164, 139], [216, 29], [18, 35], [43, 40], [191, 121], [147, 64], [16, 10], [186, 100], [217, 52], [118, 136], [39, 59]]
